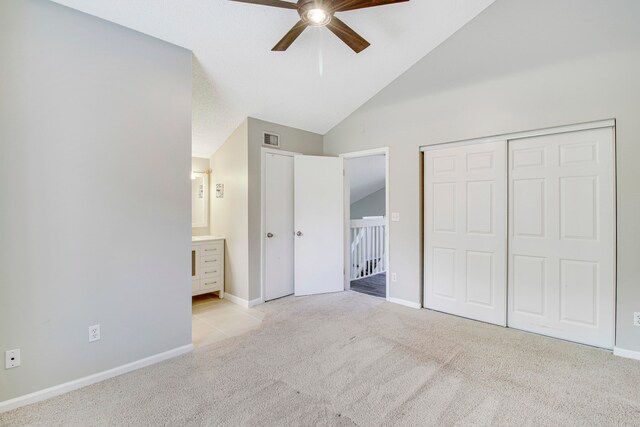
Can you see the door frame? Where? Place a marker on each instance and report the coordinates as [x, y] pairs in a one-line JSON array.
[[263, 210], [347, 212], [608, 123]]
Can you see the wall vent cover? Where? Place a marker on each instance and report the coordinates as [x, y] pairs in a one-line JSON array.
[[271, 140]]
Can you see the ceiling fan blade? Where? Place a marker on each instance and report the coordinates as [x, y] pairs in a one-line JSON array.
[[344, 5], [274, 3], [347, 35], [290, 37]]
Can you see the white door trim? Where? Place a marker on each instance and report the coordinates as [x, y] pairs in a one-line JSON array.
[[347, 211], [526, 134], [263, 210]]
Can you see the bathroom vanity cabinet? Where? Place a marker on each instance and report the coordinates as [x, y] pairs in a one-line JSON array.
[[207, 265]]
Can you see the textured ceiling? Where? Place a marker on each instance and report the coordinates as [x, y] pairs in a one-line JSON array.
[[313, 86]]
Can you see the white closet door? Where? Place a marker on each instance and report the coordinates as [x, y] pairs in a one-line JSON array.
[[319, 224], [278, 270], [561, 230], [465, 231]]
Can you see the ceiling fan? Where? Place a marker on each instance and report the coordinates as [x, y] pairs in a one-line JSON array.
[[320, 13]]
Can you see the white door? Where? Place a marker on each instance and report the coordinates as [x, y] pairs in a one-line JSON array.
[[319, 216], [279, 230], [561, 230], [465, 231]]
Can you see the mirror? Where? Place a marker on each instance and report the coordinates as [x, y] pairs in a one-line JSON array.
[[199, 199]]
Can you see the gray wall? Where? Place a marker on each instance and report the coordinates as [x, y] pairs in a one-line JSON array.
[[95, 146], [237, 164], [230, 214], [199, 164], [371, 205], [519, 65], [291, 139]]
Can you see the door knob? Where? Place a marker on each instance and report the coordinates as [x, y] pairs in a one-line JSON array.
[[299, 233], [269, 235]]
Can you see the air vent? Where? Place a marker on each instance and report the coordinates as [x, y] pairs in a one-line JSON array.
[[271, 140]]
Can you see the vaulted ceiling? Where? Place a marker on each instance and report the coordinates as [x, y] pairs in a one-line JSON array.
[[313, 86]]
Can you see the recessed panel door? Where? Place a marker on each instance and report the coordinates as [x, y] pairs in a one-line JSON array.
[[465, 231], [278, 270], [561, 236]]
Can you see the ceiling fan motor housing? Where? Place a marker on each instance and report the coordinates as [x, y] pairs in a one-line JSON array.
[[307, 6]]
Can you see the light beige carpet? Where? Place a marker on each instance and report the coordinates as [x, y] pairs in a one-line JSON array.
[[350, 359]]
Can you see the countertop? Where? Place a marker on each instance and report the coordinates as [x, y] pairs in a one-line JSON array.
[[195, 239]]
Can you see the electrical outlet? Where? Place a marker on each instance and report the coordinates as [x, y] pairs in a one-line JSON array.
[[636, 318], [395, 216], [94, 333], [12, 358], [394, 277]]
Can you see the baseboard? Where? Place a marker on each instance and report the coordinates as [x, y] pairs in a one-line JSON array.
[[243, 302], [255, 302], [629, 354], [236, 300], [57, 390], [405, 303]]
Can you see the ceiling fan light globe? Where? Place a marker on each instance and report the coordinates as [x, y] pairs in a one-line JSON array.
[[317, 17]]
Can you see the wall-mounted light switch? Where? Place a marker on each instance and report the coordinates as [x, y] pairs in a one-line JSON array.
[[395, 216]]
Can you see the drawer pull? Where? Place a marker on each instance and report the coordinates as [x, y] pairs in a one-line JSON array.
[[211, 260]]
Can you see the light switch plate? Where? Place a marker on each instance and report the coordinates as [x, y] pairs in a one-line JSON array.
[[636, 318], [395, 216]]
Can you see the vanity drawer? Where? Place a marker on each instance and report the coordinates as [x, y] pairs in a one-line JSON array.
[[210, 261], [211, 249], [213, 284], [210, 272]]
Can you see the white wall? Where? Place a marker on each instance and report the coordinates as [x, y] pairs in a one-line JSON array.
[[230, 213], [291, 139], [95, 141], [519, 65], [372, 205], [199, 164]]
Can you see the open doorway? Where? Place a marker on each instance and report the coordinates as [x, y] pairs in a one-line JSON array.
[[366, 222]]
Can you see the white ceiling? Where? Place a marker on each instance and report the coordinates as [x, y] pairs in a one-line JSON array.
[[313, 86], [366, 176]]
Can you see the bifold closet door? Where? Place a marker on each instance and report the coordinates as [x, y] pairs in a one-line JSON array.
[[561, 236], [465, 231]]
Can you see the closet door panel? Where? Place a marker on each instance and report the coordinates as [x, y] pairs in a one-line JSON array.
[[465, 231], [561, 236]]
